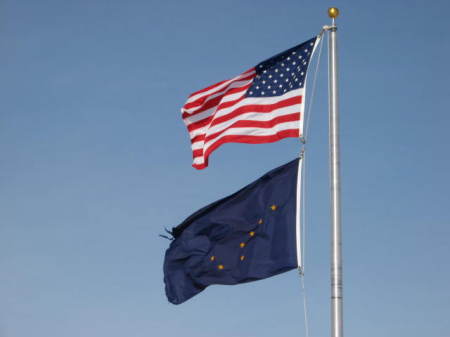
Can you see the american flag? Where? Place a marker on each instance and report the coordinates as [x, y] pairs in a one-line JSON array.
[[263, 104]]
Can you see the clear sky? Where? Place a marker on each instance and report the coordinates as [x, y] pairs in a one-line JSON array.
[[95, 162]]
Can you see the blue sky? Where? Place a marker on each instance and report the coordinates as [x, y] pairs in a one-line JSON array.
[[95, 162]]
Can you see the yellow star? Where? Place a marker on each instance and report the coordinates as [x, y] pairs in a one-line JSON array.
[[273, 207], [251, 233], [212, 258], [242, 244], [220, 266]]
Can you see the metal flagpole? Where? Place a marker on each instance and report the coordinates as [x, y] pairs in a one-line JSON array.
[[336, 245]]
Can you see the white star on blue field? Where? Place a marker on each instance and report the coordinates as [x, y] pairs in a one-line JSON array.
[[283, 72]]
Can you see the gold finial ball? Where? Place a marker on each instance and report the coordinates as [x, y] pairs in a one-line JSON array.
[[333, 12]]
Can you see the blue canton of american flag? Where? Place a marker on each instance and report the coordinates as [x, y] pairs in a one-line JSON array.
[[262, 105], [283, 72]]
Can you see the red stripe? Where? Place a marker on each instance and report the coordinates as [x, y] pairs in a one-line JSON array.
[[249, 123], [228, 104], [201, 123], [202, 101], [198, 138], [257, 124], [207, 88], [262, 108], [197, 153], [205, 105], [248, 140], [213, 102]]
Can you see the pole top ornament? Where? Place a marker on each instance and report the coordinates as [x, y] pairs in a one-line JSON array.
[[333, 12]]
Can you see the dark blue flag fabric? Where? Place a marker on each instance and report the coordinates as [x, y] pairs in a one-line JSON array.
[[247, 236]]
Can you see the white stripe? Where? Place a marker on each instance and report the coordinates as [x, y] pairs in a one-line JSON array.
[[198, 132], [298, 228], [207, 114], [251, 101], [236, 95], [254, 116], [198, 160], [234, 85], [252, 131], [249, 131], [196, 118], [250, 116], [197, 145], [259, 101], [226, 98], [258, 116], [216, 89]]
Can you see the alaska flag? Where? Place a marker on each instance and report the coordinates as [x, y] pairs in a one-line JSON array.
[[247, 236]]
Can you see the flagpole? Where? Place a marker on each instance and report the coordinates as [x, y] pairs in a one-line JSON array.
[[336, 245]]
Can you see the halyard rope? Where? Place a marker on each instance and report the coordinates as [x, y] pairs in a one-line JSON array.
[[305, 138], [313, 91]]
